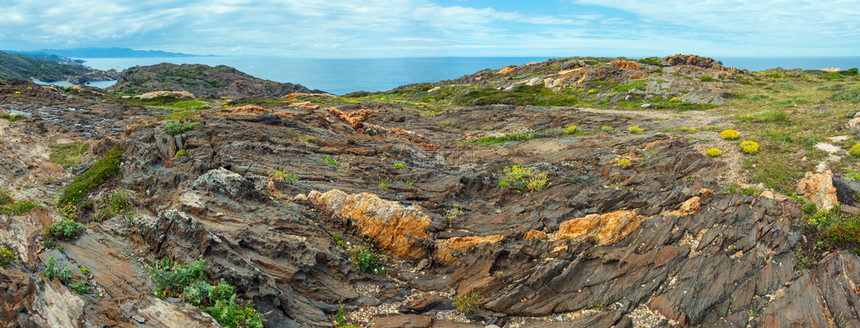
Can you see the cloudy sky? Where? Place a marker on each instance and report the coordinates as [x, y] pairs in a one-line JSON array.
[[434, 28]]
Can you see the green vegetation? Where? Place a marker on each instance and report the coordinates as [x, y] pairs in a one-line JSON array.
[[635, 130], [103, 170], [116, 203], [12, 117], [713, 152], [282, 175], [521, 135], [624, 162], [189, 283], [521, 178], [10, 206], [80, 287], [365, 259], [468, 302], [174, 128], [68, 155], [333, 162], [520, 95], [573, 129], [729, 135], [749, 147], [6, 257], [66, 229], [630, 86], [400, 165], [855, 150], [51, 271], [180, 152]]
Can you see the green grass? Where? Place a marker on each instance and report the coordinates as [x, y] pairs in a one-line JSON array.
[[366, 259], [631, 86], [102, 170], [467, 303], [174, 128], [333, 162], [12, 117], [521, 135], [67, 155]]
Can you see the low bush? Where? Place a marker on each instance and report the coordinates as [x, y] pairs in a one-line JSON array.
[[713, 152], [521, 178], [6, 257], [729, 135], [635, 130], [365, 259], [573, 129], [174, 128], [282, 175], [467, 303], [188, 282], [80, 287], [855, 150], [103, 170], [749, 147], [66, 229], [623, 162], [51, 271], [520, 135]]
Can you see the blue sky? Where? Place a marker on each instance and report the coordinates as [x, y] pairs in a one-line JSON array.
[[434, 28]]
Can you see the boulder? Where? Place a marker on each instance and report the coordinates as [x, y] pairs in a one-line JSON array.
[[818, 188]]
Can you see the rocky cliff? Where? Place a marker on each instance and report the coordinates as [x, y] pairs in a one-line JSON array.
[[202, 81], [327, 211], [24, 67]]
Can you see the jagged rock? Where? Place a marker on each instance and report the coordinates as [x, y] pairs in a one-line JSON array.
[[402, 230], [817, 188], [602, 229], [447, 251], [692, 60], [825, 295], [625, 64]]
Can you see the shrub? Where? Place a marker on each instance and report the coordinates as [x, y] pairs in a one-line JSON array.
[[365, 259], [623, 162], [606, 128], [115, 204], [521, 178], [180, 152], [103, 170], [573, 129], [85, 271], [635, 130], [19, 207], [713, 152], [831, 75], [282, 175], [749, 147], [771, 116], [67, 155], [400, 165], [468, 302], [171, 280], [845, 232], [630, 86], [855, 150], [66, 229], [520, 135], [331, 161], [230, 314], [6, 257], [52, 272], [80, 287], [706, 78], [729, 135], [173, 128]]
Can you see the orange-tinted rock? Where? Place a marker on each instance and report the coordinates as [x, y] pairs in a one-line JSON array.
[[536, 234], [625, 64], [400, 230], [353, 118], [603, 229], [692, 60], [448, 250], [248, 108], [507, 70], [817, 188], [689, 207]]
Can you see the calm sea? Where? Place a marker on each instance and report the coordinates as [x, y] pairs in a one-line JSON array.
[[340, 76]]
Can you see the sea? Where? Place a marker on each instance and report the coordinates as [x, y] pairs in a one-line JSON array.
[[342, 76]]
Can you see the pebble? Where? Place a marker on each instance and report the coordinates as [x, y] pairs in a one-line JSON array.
[[139, 319]]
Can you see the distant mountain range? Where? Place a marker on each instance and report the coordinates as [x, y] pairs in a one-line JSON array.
[[114, 52]]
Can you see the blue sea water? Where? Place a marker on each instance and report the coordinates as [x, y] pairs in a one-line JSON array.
[[341, 76], [337, 76]]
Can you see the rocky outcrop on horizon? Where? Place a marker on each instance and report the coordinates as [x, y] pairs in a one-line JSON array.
[[201, 80], [24, 67]]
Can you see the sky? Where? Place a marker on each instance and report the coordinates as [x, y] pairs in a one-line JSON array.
[[439, 28]]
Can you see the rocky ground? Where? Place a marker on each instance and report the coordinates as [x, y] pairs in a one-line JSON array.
[[345, 211]]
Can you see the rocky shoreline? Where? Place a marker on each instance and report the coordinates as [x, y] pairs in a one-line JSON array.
[[326, 211]]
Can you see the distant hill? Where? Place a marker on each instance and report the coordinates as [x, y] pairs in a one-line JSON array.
[[47, 56], [114, 52], [202, 81], [24, 67]]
